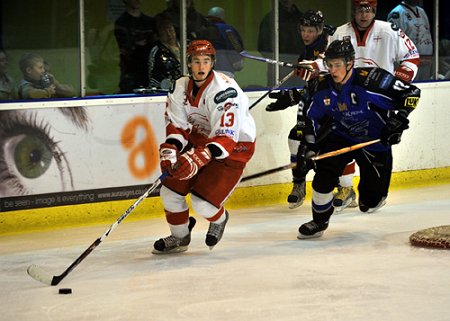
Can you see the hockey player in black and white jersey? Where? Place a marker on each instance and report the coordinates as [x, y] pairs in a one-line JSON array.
[[364, 104], [314, 34]]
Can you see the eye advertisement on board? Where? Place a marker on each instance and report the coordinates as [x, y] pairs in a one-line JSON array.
[[73, 155]]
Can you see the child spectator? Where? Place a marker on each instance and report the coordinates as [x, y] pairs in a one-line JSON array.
[[36, 82]]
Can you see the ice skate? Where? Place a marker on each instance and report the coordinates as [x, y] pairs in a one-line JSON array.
[[297, 196], [215, 232], [345, 197], [172, 244], [312, 229], [366, 209]]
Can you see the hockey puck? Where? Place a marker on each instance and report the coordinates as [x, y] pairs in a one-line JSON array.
[[65, 291]]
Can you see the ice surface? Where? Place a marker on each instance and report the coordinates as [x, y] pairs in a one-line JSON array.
[[363, 268]]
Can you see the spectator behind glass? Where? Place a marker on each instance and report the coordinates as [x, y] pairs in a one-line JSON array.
[[134, 33], [164, 59], [36, 82], [290, 44], [413, 20], [7, 84], [195, 20], [228, 59], [62, 90]]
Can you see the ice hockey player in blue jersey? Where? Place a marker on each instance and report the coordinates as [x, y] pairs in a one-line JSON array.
[[363, 104]]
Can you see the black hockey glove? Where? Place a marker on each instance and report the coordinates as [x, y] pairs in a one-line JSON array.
[[304, 161], [285, 98], [393, 130]]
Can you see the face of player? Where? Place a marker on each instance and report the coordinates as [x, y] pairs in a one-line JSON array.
[[309, 34], [364, 17], [36, 71], [339, 70], [200, 66]]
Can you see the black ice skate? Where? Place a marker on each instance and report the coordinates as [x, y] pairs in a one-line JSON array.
[[215, 232], [172, 244], [311, 229], [367, 209]]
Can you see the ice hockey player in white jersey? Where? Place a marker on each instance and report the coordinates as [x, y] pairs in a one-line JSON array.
[[377, 44], [210, 136]]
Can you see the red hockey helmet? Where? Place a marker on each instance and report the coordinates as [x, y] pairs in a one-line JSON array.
[[200, 47], [365, 3]]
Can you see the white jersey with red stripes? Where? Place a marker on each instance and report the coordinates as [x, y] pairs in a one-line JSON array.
[[217, 114], [383, 45]]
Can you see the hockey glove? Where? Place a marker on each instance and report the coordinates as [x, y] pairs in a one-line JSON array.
[[404, 73], [307, 70], [168, 156], [393, 130], [189, 163], [304, 161], [285, 98]]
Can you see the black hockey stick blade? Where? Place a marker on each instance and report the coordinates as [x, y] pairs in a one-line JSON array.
[[267, 172], [42, 276], [289, 75]]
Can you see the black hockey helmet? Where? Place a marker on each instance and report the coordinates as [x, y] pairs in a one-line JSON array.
[[312, 18], [340, 49]]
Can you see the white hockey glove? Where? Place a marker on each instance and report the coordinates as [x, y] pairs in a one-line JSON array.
[[307, 70]]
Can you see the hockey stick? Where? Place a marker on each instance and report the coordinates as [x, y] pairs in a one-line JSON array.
[[272, 89], [345, 150], [267, 172], [318, 157], [238, 47], [42, 276]]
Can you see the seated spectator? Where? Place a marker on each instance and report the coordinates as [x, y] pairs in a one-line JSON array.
[[7, 85], [36, 82], [228, 59], [164, 60], [62, 90]]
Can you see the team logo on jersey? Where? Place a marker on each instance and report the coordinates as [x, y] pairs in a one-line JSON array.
[[326, 101], [411, 102], [225, 132], [377, 38], [240, 148], [363, 72], [227, 106], [225, 94], [342, 107]]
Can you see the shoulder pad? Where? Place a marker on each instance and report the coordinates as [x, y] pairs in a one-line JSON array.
[[375, 78]]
